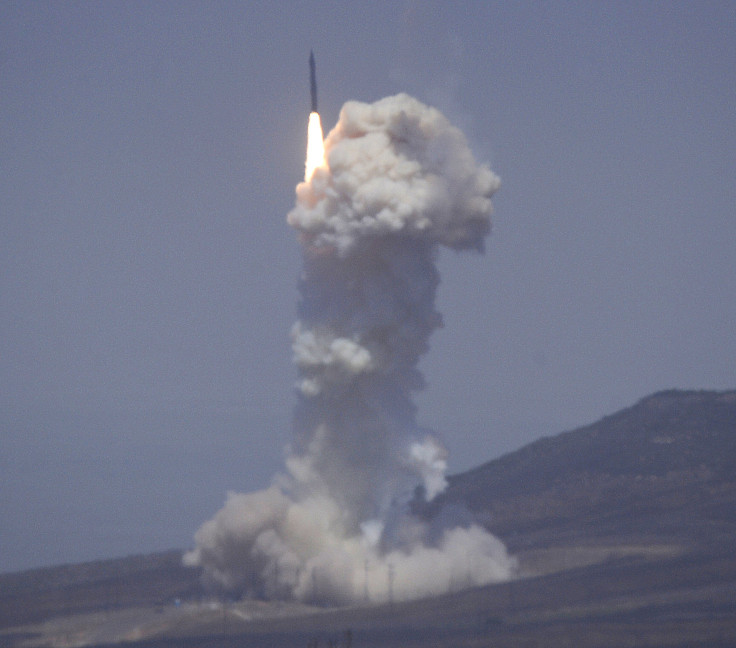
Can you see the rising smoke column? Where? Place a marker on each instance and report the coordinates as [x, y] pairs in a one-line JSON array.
[[398, 181]]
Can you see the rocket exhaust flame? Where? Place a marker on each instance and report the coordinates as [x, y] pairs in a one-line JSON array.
[[337, 527], [315, 146]]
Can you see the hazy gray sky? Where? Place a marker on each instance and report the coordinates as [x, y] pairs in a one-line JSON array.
[[148, 277]]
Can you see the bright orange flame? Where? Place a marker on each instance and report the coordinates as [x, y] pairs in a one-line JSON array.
[[315, 146]]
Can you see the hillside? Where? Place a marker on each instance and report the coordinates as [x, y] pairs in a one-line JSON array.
[[151, 580], [663, 470], [624, 531]]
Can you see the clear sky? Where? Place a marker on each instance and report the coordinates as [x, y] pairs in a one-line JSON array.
[[149, 153]]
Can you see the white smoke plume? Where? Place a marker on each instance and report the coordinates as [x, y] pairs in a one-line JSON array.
[[398, 182]]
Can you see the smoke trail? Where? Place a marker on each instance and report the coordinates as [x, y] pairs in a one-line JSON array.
[[399, 182]]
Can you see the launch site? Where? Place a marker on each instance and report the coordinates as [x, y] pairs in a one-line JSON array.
[[443, 359]]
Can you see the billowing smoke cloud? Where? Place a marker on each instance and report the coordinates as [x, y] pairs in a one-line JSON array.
[[399, 181]]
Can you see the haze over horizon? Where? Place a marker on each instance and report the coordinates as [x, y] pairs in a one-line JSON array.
[[148, 277]]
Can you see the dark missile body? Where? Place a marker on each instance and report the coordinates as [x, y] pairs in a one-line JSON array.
[[313, 80]]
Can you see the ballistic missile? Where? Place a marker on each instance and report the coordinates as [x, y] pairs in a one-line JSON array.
[[313, 80]]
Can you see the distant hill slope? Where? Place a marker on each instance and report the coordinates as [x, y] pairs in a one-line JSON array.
[[151, 580], [662, 470]]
